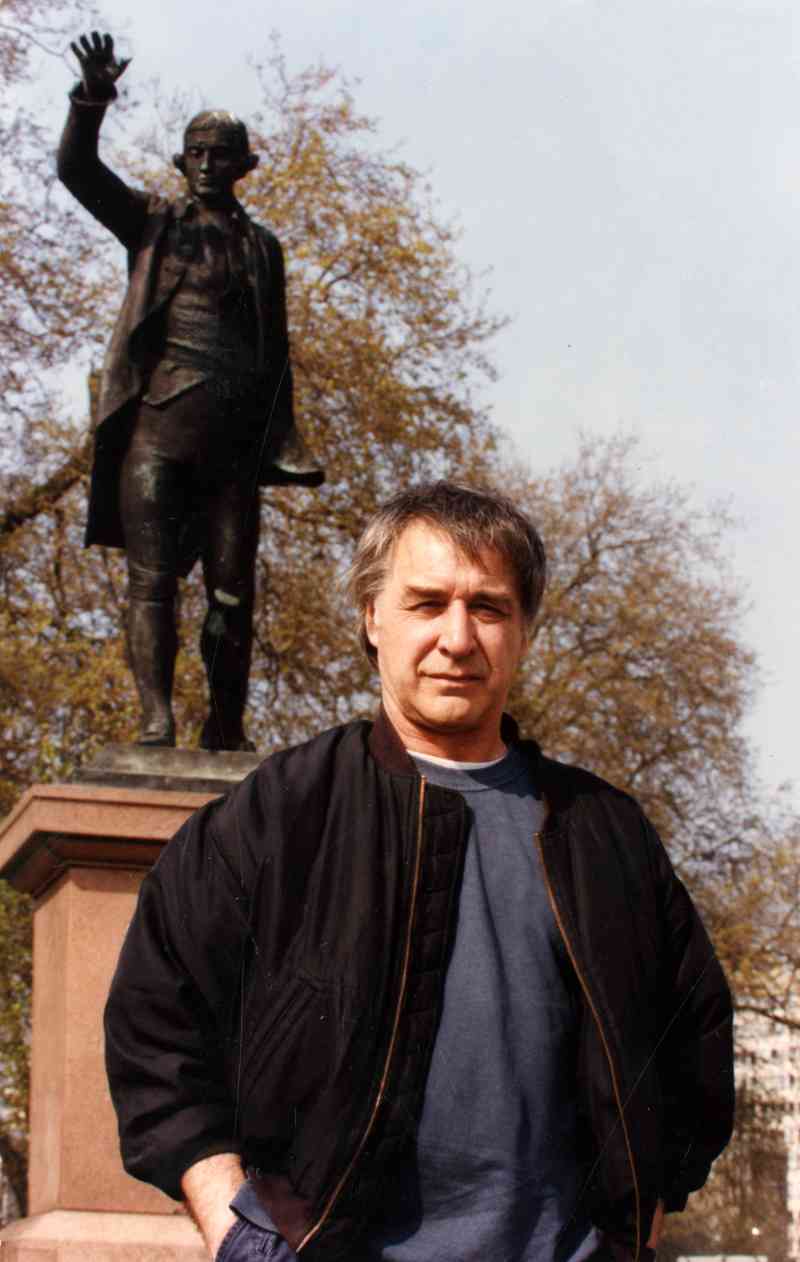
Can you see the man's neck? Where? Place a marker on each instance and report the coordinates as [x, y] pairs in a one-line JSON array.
[[483, 744]]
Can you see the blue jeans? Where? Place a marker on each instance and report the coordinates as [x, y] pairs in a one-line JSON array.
[[254, 1236], [247, 1243]]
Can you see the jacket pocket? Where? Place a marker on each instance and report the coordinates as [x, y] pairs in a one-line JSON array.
[[285, 1055], [276, 1020]]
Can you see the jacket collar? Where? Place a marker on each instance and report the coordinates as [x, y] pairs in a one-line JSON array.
[[387, 749], [390, 753]]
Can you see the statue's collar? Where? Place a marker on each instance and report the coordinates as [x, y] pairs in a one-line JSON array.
[[185, 208]]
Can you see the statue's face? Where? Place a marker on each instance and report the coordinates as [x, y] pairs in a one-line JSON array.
[[213, 161]]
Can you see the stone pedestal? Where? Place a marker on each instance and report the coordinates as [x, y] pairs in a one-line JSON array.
[[64, 1235], [81, 851]]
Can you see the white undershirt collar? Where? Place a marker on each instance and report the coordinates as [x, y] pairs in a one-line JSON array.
[[454, 763]]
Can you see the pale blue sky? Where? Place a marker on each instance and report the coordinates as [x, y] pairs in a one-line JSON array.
[[629, 171]]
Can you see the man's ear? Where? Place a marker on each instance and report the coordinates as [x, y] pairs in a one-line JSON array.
[[179, 162], [371, 624], [527, 641]]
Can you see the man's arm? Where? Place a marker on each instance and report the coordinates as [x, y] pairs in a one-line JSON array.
[[172, 1013], [231, 1212], [120, 209], [209, 1186], [695, 1055]]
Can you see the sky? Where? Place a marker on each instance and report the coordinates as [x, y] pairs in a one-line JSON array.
[[627, 174]]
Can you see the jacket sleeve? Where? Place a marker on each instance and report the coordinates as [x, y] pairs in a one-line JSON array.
[[170, 1020], [695, 1055], [121, 209]]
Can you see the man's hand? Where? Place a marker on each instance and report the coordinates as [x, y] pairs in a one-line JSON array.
[[99, 67], [209, 1187]]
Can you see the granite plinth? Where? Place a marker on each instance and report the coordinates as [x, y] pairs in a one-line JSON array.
[[140, 766], [75, 1236], [58, 827], [81, 851]]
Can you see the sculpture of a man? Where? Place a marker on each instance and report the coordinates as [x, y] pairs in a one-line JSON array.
[[195, 406]]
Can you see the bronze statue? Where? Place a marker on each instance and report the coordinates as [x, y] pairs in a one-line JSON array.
[[195, 405]]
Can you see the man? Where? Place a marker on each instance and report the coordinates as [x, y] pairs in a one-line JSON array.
[[195, 406], [443, 998]]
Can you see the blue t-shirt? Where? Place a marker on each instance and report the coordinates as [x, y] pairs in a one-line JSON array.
[[495, 1176]]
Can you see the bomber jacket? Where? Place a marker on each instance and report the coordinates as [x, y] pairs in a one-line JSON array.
[[280, 986]]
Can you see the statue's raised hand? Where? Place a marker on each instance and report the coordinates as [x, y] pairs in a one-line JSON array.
[[99, 67]]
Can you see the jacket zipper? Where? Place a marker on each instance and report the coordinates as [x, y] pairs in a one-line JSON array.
[[337, 1191], [596, 1016]]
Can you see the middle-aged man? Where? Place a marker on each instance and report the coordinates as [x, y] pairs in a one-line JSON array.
[[439, 997]]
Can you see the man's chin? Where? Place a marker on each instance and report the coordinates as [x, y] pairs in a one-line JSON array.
[[452, 714]]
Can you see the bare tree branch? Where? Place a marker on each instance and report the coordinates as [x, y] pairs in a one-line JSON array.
[[43, 496]]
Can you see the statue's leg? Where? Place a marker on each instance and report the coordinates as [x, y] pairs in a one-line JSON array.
[[152, 649], [151, 497], [226, 641]]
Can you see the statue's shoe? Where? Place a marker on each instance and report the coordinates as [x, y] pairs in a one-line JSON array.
[[212, 738], [158, 731]]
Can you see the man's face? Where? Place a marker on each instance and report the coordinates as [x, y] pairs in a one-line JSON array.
[[214, 161], [449, 633]]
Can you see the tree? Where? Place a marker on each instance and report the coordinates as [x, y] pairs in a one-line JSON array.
[[54, 280], [637, 667], [15, 998], [53, 277], [44, 253]]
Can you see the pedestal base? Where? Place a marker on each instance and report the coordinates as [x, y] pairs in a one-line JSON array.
[[81, 851], [78, 1236]]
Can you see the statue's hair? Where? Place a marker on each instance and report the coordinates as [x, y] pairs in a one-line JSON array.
[[222, 120], [472, 519]]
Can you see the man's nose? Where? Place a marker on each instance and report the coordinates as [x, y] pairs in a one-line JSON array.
[[205, 161], [456, 635]]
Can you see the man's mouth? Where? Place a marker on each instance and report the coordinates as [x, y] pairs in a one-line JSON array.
[[456, 679]]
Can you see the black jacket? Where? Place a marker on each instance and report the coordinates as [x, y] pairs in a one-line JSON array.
[[279, 989]]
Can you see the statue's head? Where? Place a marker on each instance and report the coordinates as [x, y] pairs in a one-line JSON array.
[[216, 153]]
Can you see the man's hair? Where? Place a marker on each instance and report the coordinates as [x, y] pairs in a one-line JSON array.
[[219, 120], [473, 519]]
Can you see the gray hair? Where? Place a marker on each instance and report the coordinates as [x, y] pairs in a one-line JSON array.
[[473, 519]]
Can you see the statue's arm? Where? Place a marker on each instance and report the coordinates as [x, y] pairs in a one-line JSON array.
[[121, 209]]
